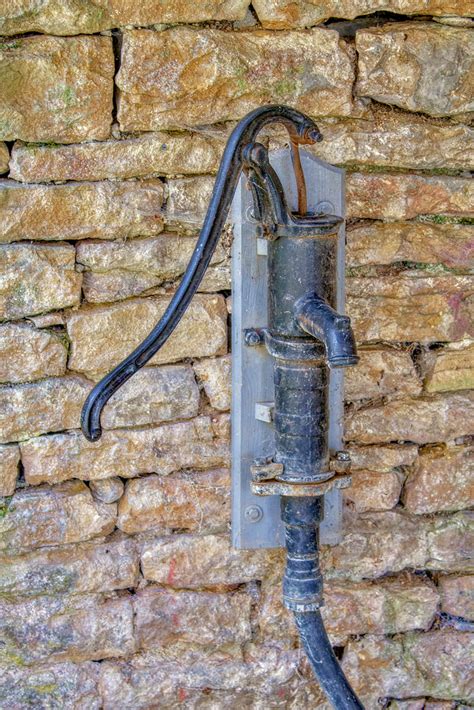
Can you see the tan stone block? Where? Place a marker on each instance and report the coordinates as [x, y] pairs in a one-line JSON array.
[[411, 307], [39, 407], [4, 158], [382, 458], [36, 278], [450, 542], [109, 490], [381, 373], [394, 197], [423, 421], [188, 200], [183, 77], [167, 620], [65, 628], [450, 369], [449, 245], [102, 337], [56, 89], [457, 595], [63, 17], [108, 210], [38, 517], [85, 567], [215, 376], [441, 479], [436, 63], [9, 460], [28, 354], [125, 453], [284, 14], [145, 156], [371, 490], [435, 663], [185, 501]]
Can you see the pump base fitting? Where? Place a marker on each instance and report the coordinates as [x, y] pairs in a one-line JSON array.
[[285, 488]]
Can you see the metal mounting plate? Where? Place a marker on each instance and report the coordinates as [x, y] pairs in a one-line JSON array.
[[256, 519]]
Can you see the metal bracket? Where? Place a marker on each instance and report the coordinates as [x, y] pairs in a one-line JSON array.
[[256, 518]]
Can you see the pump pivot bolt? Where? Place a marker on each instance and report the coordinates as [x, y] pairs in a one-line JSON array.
[[253, 513], [252, 337]]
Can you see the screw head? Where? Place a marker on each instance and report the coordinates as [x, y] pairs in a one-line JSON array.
[[252, 337], [253, 513]]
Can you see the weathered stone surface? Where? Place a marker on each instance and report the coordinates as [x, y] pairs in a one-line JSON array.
[[64, 17], [118, 270], [65, 685], [450, 543], [102, 337], [450, 369], [382, 458], [80, 210], [56, 89], [371, 490], [435, 61], [4, 158], [183, 77], [65, 628], [166, 619], [148, 155], [451, 245], [423, 421], [9, 460], [74, 569], [28, 354], [36, 517], [411, 307], [457, 595], [394, 197], [36, 278], [188, 199], [381, 373], [186, 501], [109, 490], [124, 453], [442, 479], [284, 14], [194, 561], [215, 376], [39, 407], [435, 663]]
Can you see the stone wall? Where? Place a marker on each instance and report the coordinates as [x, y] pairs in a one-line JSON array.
[[118, 586]]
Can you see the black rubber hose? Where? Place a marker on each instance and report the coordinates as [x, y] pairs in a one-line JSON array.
[[324, 663]]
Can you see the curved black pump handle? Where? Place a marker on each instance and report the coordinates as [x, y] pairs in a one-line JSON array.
[[302, 130]]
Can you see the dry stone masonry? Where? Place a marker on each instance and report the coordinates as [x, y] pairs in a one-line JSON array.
[[119, 589]]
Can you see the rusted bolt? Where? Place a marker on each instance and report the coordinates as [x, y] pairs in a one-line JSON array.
[[252, 337], [253, 513]]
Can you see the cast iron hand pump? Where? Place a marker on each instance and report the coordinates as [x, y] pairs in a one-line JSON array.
[[305, 336]]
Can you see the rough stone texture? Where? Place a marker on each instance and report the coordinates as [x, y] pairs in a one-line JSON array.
[[125, 453], [74, 569], [28, 354], [435, 61], [56, 89], [102, 337], [118, 270], [188, 199], [65, 628], [371, 490], [9, 460], [49, 405], [186, 501], [36, 278], [450, 542], [37, 517], [80, 210], [450, 369], [394, 197], [411, 307], [457, 595], [183, 77], [148, 155], [382, 458], [109, 490], [4, 158], [423, 421], [64, 17], [441, 479], [283, 14], [434, 663], [170, 621], [381, 373], [450, 245], [215, 376]]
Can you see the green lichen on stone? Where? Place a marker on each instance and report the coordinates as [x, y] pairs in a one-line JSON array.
[[444, 219], [5, 507]]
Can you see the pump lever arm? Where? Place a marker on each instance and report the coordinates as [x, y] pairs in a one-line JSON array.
[[302, 130]]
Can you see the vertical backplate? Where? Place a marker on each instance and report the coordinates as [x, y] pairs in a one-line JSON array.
[[256, 519]]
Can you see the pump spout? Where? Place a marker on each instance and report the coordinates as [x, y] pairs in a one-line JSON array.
[[316, 317]]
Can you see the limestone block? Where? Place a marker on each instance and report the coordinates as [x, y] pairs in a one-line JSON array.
[[4, 158], [457, 595], [450, 540], [372, 490], [215, 375], [27, 353], [109, 490], [382, 458], [451, 368], [9, 460], [381, 373]]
